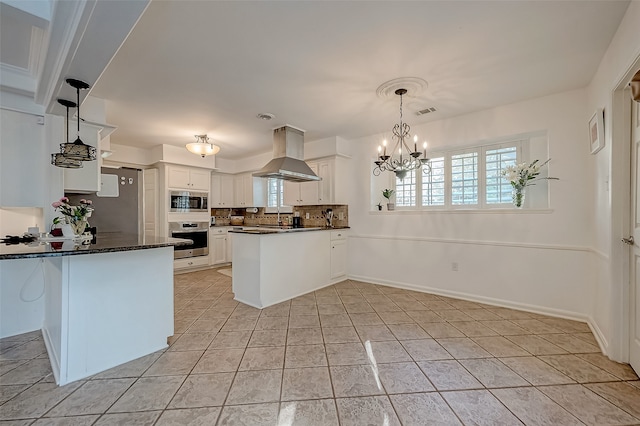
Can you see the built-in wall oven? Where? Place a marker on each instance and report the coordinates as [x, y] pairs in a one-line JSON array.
[[188, 201], [198, 232]]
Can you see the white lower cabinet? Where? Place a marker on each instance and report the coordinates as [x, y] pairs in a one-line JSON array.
[[338, 254], [191, 262], [219, 246]]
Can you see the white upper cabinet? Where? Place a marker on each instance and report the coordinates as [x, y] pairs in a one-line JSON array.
[[303, 193], [188, 178], [221, 191], [249, 191], [87, 178], [330, 190], [24, 159]]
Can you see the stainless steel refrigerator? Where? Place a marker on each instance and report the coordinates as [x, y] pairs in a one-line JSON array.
[[118, 205]]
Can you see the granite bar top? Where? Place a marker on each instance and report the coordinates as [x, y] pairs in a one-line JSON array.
[[266, 230], [104, 243]]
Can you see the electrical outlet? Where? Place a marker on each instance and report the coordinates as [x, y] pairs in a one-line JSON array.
[[307, 216], [454, 266], [341, 216]]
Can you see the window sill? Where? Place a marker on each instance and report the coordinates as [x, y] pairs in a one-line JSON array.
[[462, 211]]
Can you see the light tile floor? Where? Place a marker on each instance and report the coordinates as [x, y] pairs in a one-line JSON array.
[[350, 354]]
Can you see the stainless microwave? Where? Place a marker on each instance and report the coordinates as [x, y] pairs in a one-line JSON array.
[[188, 201]]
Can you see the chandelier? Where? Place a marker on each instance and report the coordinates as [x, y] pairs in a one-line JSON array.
[[402, 159], [202, 146]]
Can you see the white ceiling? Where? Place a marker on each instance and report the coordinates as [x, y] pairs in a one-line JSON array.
[[192, 67]]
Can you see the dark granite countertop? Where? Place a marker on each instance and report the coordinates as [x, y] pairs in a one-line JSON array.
[[264, 230], [104, 243]]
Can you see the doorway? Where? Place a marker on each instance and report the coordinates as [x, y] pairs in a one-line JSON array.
[[634, 240]]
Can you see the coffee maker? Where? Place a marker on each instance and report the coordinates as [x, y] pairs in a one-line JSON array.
[[297, 220]]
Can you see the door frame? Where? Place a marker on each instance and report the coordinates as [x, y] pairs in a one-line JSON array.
[[620, 225]]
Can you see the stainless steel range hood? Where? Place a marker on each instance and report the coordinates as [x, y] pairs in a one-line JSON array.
[[288, 155]]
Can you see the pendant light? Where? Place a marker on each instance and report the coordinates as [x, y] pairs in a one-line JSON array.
[[58, 159], [78, 150]]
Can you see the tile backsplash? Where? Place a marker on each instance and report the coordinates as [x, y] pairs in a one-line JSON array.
[[316, 218]]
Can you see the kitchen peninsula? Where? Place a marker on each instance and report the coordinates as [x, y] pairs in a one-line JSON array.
[[105, 303], [271, 265]]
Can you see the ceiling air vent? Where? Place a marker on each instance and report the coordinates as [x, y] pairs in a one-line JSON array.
[[426, 111]]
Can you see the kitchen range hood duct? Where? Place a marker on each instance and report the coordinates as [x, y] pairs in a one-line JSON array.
[[288, 154]]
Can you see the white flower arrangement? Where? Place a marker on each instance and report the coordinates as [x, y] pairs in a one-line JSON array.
[[522, 175]]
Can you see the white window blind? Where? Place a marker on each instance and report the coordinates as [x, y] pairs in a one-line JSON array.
[[406, 190], [464, 178], [274, 191], [498, 189], [433, 184]]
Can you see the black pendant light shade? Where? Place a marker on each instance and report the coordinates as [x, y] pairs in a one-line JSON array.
[[58, 159], [78, 150]]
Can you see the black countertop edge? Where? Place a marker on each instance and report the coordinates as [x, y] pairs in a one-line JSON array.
[[271, 231], [105, 243]]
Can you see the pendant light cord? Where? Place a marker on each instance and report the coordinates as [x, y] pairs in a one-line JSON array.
[[78, 98]]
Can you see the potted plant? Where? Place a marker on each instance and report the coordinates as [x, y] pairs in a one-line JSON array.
[[388, 193], [379, 206]]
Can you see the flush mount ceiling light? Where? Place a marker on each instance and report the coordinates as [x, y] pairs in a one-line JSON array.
[[58, 159], [78, 150], [202, 146], [402, 159]]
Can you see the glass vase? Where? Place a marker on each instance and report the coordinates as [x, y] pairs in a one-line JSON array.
[[78, 226], [517, 196]]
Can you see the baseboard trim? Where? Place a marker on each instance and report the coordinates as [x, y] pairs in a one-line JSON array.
[[536, 309], [53, 359]]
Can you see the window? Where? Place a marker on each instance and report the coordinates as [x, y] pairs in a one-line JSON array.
[[470, 178], [433, 184], [406, 190], [275, 197], [498, 190], [464, 178], [274, 192]]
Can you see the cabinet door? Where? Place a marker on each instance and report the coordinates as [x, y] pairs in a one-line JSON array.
[[292, 193], [240, 198], [178, 177], [24, 162], [150, 202], [309, 190], [338, 258], [226, 191], [200, 180], [326, 184], [219, 249], [247, 184], [221, 191], [229, 240], [215, 196]]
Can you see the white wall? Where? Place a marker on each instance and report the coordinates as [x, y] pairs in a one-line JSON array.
[[540, 261], [610, 178]]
